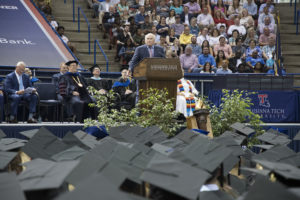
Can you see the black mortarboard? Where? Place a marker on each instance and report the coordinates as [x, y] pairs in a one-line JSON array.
[[105, 148], [295, 191], [87, 139], [230, 143], [70, 62], [115, 132], [10, 188], [93, 67], [174, 176], [297, 137], [215, 195], [272, 138], [73, 153], [143, 148], [208, 154], [286, 172], [291, 159], [242, 129], [43, 174], [8, 144], [263, 172], [175, 143], [6, 158], [187, 136], [72, 140], [29, 133], [240, 139], [238, 184], [89, 164], [264, 189], [274, 154], [165, 150], [44, 145], [2, 134], [264, 146]]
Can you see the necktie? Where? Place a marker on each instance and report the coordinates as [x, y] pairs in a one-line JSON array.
[[150, 52], [21, 86]]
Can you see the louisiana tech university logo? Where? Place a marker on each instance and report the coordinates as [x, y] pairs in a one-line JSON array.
[[263, 100]]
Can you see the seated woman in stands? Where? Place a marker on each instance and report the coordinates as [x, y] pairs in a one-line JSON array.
[[207, 69], [219, 58], [253, 47], [255, 62], [127, 52], [186, 97]]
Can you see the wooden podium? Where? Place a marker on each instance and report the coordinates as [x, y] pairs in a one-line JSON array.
[[159, 73]]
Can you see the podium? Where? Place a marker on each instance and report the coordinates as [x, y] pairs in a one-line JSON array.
[[159, 73]]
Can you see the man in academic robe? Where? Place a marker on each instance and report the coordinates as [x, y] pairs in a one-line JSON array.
[[96, 81], [73, 88]]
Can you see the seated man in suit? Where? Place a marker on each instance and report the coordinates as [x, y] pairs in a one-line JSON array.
[[19, 87], [73, 88], [55, 78], [146, 51]]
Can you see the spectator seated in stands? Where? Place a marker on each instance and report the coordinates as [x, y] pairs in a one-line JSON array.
[[188, 60], [267, 51], [251, 7], [94, 4], [203, 36], [186, 16], [224, 69], [52, 22], [108, 20], [73, 88], [239, 47], [194, 29], [205, 19], [223, 46], [103, 8], [194, 8], [268, 5], [121, 40], [19, 87], [176, 48], [186, 97], [138, 37], [125, 89], [251, 35], [147, 26], [31, 78], [171, 37], [61, 31], [265, 14], [178, 26], [234, 10], [235, 61], [96, 82], [255, 62], [219, 58], [219, 7], [234, 36], [264, 38], [123, 10], [207, 69], [162, 28], [252, 47], [126, 52], [177, 7], [219, 17], [185, 37], [163, 9], [237, 26], [246, 19], [267, 24], [171, 19], [140, 18], [215, 37], [196, 49], [203, 58]]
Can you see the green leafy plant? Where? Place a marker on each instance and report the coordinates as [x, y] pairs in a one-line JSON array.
[[235, 107], [155, 109]]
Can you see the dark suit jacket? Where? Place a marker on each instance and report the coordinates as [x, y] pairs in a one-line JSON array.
[[55, 81], [182, 17], [142, 52], [11, 84]]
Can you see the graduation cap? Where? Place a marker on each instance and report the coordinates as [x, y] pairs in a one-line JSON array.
[[70, 62], [238, 184], [44, 145], [89, 165], [242, 129], [275, 154], [208, 154], [8, 144], [87, 139], [263, 172], [93, 67], [29, 133], [73, 153], [285, 172], [71, 140], [2, 134], [165, 150], [174, 176], [264, 146], [43, 174], [6, 158], [115, 132], [174, 143], [271, 138], [240, 139], [265, 189], [291, 159], [187, 136], [215, 195], [10, 187], [105, 148], [297, 137]]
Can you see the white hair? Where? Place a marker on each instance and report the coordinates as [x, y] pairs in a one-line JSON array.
[[21, 63], [150, 35]]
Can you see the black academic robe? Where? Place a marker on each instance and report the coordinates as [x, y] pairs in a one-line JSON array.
[[98, 84]]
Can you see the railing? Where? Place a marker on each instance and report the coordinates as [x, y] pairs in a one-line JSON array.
[[297, 21], [88, 23], [278, 48], [96, 43]]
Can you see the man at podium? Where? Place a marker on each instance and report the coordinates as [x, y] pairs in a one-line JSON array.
[[149, 50]]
